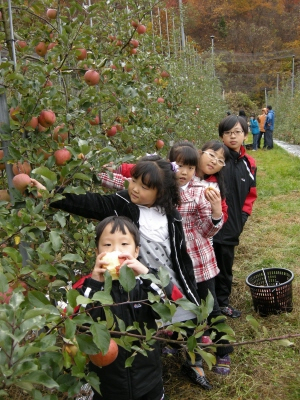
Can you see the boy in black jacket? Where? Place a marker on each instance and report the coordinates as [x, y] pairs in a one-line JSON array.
[[143, 380], [240, 181]]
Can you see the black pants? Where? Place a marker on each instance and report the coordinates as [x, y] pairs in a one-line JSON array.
[[260, 135], [223, 281], [203, 288], [268, 139], [157, 393]]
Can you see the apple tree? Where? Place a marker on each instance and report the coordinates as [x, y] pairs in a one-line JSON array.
[[79, 87]]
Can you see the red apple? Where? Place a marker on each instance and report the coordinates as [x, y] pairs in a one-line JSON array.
[[33, 123], [82, 55], [164, 74], [47, 118], [60, 133], [20, 44], [41, 49], [5, 297], [48, 83], [160, 100], [95, 121], [21, 168], [13, 112], [159, 144], [111, 131], [51, 45], [119, 127], [62, 156], [206, 340], [92, 77], [51, 13], [134, 43], [101, 360], [119, 43], [21, 181], [41, 128], [113, 66], [133, 51], [141, 29], [2, 165], [134, 24], [112, 38], [45, 154]]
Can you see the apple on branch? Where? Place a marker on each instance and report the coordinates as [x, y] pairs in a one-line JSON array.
[[51, 13], [141, 29], [41, 49], [62, 156], [92, 77], [47, 118], [21, 168], [101, 360], [159, 144]]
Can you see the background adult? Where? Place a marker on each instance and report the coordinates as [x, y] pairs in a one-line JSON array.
[[269, 128], [261, 120]]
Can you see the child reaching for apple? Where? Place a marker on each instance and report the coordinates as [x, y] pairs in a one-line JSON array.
[[117, 242]]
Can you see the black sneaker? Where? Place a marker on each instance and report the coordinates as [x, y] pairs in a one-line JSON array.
[[231, 312], [197, 375]]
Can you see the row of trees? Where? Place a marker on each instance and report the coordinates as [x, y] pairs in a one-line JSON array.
[[80, 86]]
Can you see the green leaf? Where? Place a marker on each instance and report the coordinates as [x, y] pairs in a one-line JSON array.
[[191, 343], [285, 343], [86, 344], [45, 172], [3, 283], [56, 241], [14, 254], [101, 337], [73, 258], [253, 322], [164, 277], [41, 378], [81, 176], [72, 295], [127, 278], [103, 297]]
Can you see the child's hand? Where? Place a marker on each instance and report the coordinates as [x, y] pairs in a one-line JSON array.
[[99, 268], [110, 166], [214, 197], [38, 186], [131, 262]]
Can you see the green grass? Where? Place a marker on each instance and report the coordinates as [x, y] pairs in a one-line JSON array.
[[271, 238]]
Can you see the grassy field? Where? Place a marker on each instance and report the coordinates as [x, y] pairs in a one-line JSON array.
[[270, 239]]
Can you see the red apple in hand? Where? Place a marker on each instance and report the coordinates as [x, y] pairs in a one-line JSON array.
[[62, 156], [21, 181], [92, 77], [101, 360], [47, 118]]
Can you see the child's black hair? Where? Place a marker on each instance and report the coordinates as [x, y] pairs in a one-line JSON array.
[[229, 122], [185, 152], [118, 224], [157, 173], [216, 145]]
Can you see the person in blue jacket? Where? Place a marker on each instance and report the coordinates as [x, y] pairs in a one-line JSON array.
[[254, 130], [269, 128]]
